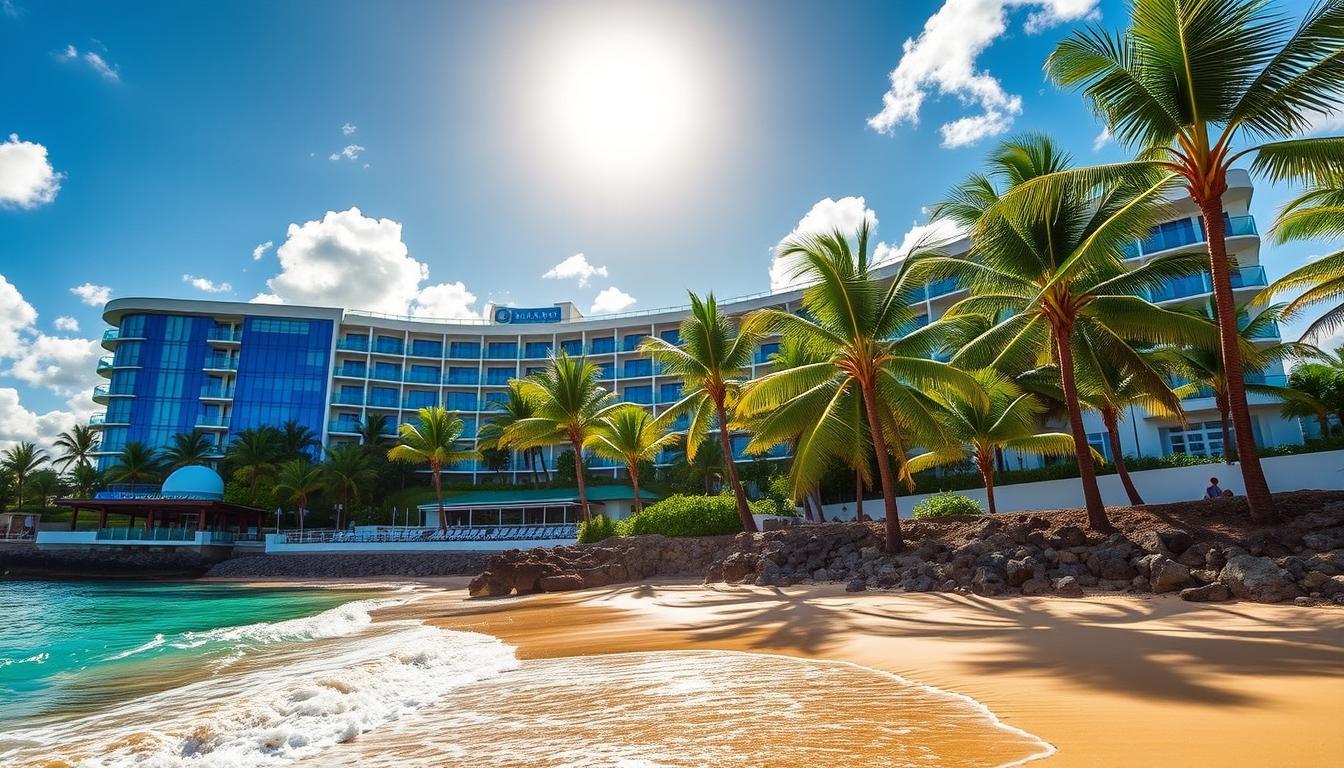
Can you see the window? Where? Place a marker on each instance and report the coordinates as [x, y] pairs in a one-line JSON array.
[[387, 371], [416, 398], [423, 374], [763, 354], [132, 326], [603, 345], [464, 350], [1171, 234], [502, 350], [1197, 439], [642, 395], [637, 367], [669, 393], [537, 349], [671, 337], [606, 371], [426, 348], [463, 376], [1100, 442], [388, 345], [383, 397], [630, 342], [282, 373], [572, 347], [499, 375], [461, 401]]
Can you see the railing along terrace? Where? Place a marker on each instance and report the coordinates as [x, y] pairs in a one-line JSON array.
[[393, 535]]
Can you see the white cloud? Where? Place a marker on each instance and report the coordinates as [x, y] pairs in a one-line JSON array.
[[95, 61], [18, 424], [27, 179], [1102, 139], [930, 235], [575, 266], [942, 61], [207, 285], [261, 250], [16, 315], [351, 152], [93, 295], [1320, 122], [67, 324], [351, 260], [63, 365], [610, 300], [348, 129], [445, 300], [826, 216]]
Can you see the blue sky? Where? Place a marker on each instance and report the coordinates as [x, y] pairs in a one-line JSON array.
[[489, 144]]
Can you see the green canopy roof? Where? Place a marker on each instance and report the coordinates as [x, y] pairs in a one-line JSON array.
[[509, 497]]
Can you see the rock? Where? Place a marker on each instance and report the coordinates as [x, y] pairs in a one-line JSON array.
[[1214, 559], [856, 585], [1036, 586], [1019, 571], [1176, 541], [1068, 586], [1332, 587], [1209, 593], [489, 585], [1167, 575], [1258, 578], [1111, 563], [917, 583], [1071, 536], [987, 581], [1305, 602], [736, 567], [821, 574], [563, 582], [1323, 541]]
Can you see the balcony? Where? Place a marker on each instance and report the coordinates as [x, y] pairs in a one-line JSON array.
[[97, 419], [385, 374], [389, 347], [1170, 239], [353, 344], [347, 398], [105, 366], [764, 353], [221, 363], [225, 335], [103, 393], [1198, 285], [422, 377], [942, 288], [345, 426], [216, 393], [207, 421], [501, 352], [415, 403], [379, 400], [352, 371]]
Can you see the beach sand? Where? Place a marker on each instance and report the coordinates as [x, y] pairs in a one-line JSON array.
[[1108, 680]]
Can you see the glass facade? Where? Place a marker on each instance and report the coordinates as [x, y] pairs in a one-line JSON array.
[[282, 373]]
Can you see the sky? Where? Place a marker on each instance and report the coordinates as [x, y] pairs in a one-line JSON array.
[[429, 158]]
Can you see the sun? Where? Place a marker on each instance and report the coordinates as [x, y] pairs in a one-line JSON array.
[[622, 103]]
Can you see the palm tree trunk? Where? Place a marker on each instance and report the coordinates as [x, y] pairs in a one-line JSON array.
[[1252, 475], [987, 475], [1112, 422], [1228, 447], [578, 473], [894, 541], [858, 497], [634, 481], [743, 509], [438, 494], [1096, 511], [1325, 425]]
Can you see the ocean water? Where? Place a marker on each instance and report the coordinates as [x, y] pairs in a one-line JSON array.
[[146, 674]]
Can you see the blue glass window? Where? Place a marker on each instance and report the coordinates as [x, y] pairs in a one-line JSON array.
[[603, 345], [671, 337], [763, 354], [630, 342], [282, 373], [637, 367], [502, 350], [461, 401], [420, 399], [387, 371], [167, 386], [128, 353], [534, 369], [423, 374], [388, 345], [642, 394], [606, 371], [669, 393], [132, 326], [426, 348], [463, 376], [464, 350], [496, 398], [353, 368], [498, 375], [354, 342], [537, 349], [383, 397], [572, 347]]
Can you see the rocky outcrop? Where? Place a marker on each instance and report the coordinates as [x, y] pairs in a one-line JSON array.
[[352, 566], [612, 561], [1258, 578], [27, 561]]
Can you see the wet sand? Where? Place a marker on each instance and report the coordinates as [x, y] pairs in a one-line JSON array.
[[1108, 680]]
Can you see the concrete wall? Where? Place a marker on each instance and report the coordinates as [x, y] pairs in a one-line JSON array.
[[275, 544], [1324, 470]]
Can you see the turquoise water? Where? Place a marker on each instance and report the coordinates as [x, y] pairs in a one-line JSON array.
[[62, 643]]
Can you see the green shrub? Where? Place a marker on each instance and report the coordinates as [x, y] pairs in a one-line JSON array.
[[947, 504], [598, 528], [691, 516]]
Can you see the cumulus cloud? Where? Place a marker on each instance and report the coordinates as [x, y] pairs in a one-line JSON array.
[[930, 235], [826, 216], [1102, 139], [348, 129], [94, 60], [351, 260], [575, 266], [206, 285], [1321, 122], [610, 300], [16, 315], [63, 365], [67, 324], [93, 295], [351, 152], [942, 61], [27, 179], [261, 250], [18, 424]]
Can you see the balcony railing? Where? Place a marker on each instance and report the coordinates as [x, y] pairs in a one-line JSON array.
[[386, 375], [1196, 285], [97, 419], [221, 363], [463, 380], [353, 344], [413, 404], [211, 421], [942, 287], [104, 364], [352, 371], [217, 393], [111, 334], [351, 426], [423, 377], [348, 398], [386, 347], [224, 334], [1166, 240], [383, 401]]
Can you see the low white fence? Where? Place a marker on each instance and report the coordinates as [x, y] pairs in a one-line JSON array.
[[1323, 471]]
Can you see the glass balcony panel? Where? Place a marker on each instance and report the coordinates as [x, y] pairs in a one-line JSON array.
[[354, 344]]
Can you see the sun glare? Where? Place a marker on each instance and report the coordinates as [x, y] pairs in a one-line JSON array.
[[622, 103]]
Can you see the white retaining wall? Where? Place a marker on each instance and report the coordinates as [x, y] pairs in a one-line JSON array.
[[1323, 470]]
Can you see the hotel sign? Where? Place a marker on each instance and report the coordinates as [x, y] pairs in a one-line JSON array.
[[520, 315]]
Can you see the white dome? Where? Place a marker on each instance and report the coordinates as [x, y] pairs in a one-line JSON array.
[[194, 482]]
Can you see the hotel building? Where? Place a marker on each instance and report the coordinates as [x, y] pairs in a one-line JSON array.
[[175, 364]]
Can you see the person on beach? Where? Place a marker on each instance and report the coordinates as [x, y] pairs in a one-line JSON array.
[[1213, 491]]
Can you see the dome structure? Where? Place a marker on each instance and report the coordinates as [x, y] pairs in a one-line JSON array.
[[194, 482]]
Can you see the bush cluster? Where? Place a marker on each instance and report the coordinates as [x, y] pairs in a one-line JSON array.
[[691, 516], [598, 528], [945, 505]]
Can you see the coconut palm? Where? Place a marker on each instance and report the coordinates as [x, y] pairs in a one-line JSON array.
[[298, 440], [1051, 274], [793, 355], [76, 445], [21, 461], [136, 464], [630, 434], [1202, 366], [1003, 416], [188, 448], [1316, 214], [566, 401], [347, 470], [255, 455], [1198, 85], [710, 360], [1320, 387], [44, 485], [86, 479], [373, 431], [507, 412], [872, 376], [297, 480], [432, 439]]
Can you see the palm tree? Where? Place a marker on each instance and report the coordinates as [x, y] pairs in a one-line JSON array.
[[566, 401], [86, 480], [373, 431], [710, 361], [1197, 86], [1203, 368], [873, 375], [21, 460], [44, 484], [255, 455], [188, 448], [347, 469], [1049, 271], [793, 355], [76, 445], [1316, 214], [1003, 416], [513, 409], [432, 441], [298, 440], [297, 480], [630, 434], [136, 464], [1320, 387]]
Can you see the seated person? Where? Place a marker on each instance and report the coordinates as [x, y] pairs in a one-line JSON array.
[[1213, 491]]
